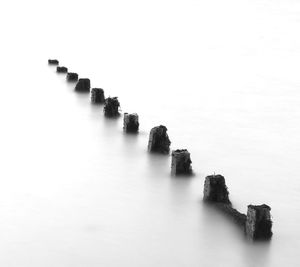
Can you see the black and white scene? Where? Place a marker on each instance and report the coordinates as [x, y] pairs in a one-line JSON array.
[[150, 133]]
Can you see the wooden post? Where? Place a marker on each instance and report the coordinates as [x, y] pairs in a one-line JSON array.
[[131, 123], [159, 140], [181, 162]]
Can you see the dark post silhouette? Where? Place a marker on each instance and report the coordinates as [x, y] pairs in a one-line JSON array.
[[61, 69], [97, 96], [131, 123], [72, 76], [159, 140], [259, 223], [215, 189], [181, 162], [53, 62], [215, 192], [83, 85], [111, 107]]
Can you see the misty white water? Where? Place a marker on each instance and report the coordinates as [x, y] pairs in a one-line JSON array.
[[223, 76]]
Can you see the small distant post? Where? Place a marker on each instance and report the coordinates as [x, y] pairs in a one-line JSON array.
[[97, 96], [53, 62], [159, 140], [83, 85], [259, 223], [72, 76], [111, 107], [215, 189], [61, 69], [131, 123], [181, 162]]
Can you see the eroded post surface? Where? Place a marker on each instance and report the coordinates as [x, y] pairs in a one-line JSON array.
[[111, 107], [259, 223], [61, 69], [53, 62], [159, 140], [72, 76], [131, 123], [215, 189], [181, 162], [83, 85], [97, 96]]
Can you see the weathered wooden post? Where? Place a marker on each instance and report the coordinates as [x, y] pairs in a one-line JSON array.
[[72, 76], [53, 62], [159, 140], [97, 95], [259, 223], [131, 123], [215, 189], [111, 107], [216, 192], [83, 85], [181, 162], [61, 69]]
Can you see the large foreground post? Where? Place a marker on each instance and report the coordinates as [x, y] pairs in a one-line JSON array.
[[259, 223], [181, 162], [159, 140]]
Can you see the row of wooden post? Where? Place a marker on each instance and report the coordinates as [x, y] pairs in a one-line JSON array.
[[257, 224]]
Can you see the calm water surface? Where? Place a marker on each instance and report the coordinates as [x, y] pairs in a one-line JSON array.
[[223, 77]]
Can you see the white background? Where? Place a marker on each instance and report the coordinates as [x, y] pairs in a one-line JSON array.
[[223, 76]]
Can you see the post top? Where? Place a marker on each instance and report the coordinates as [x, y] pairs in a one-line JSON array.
[[160, 127], [215, 178], [179, 150], [131, 114], [259, 207]]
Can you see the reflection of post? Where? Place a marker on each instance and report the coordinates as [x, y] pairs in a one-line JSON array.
[[111, 108], [61, 69], [53, 62], [259, 223], [131, 123], [72, 76], [159, 140], [181, 162], [215, 189], [97, 95], [83, 85]]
